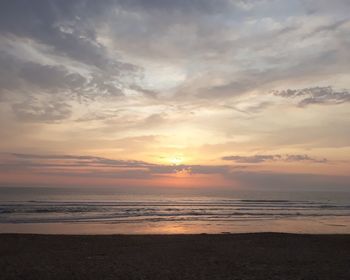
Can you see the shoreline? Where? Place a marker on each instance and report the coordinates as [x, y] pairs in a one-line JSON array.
[[326, 225], [170, 234], [175, 256]]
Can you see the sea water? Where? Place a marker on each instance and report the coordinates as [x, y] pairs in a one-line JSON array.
[[109, 211]]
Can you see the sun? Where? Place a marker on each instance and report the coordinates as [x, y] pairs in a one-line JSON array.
[[176, 160]]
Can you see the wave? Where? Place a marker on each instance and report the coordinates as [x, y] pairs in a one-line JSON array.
[[123, 211]]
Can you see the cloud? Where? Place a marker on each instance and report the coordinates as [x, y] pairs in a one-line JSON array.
[[252, 159], [53, 47], [90, 167], [269, 158], [315, 95], [19, 74], [30, 77], [326, 7], [75, 165], [62, 25], [185, 6], [42, 111], [102, 34], [304, 158], [43, 92], [50, 77], [334, 26], [99, 166], [71, 160]]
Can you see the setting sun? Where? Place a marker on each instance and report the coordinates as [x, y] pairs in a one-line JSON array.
[[176, 160]]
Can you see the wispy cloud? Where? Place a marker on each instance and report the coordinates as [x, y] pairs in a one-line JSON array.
[[42, 111], [315, 95], [274, 157]]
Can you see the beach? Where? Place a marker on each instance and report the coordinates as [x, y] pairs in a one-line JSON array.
[[199, 256]]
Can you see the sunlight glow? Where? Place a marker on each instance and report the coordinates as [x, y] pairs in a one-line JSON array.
[[176, 160]]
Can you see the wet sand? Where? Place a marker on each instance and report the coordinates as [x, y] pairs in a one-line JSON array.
[[226, 256]]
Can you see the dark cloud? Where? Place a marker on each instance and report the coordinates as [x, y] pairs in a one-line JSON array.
[[39, 92], [252, 159], [66, 33], [50, 77], [20, 75], [99, 166], [81, 160], [315, 95], [267, 158], [71, 28], [58, 24], [8, 74], [209, 169], [187, 6], [303, 158]]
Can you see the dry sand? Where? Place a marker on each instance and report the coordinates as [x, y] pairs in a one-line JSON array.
[[237, 256]]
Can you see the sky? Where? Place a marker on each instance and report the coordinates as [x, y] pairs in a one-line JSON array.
[[245, 94]]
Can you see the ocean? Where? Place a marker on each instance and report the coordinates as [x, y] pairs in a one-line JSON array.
[[108, 211]]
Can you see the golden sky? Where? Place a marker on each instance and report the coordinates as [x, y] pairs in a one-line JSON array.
[[205, 94]]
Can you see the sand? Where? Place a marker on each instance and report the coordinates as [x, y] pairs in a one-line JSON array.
[[226, 256]]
